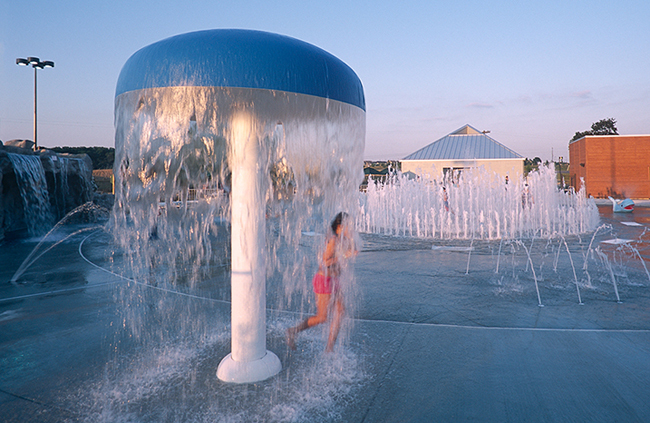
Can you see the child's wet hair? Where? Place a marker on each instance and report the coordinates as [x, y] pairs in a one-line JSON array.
[[338, 220]]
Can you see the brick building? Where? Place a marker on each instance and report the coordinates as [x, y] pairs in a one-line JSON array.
[[611, 165]]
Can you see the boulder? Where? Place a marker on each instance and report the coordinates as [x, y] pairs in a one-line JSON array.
[[23, 144]]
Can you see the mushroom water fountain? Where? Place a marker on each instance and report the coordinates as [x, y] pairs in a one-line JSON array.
[[227, 129]]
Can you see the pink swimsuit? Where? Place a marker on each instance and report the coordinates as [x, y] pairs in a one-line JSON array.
[[324, 284]]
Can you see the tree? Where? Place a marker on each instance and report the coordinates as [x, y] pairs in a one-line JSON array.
[[531, 165], [602, 127]]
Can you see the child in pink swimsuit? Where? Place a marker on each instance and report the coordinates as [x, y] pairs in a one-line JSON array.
[[326, 283], [323, 284]]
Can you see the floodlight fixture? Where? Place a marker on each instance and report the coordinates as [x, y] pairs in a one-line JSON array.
[[36, 64]]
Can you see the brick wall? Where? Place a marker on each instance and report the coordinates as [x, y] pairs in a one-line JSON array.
[[616, 165]]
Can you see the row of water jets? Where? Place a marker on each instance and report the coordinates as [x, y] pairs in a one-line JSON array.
[[476, 205], [563, 246], [479, 205]]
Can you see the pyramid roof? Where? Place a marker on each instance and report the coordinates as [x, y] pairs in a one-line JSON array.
[[466, 143]]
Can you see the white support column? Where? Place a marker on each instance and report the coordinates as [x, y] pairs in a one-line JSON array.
[[249, 360]]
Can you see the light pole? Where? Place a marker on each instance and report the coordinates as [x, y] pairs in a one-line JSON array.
[[36, 64]]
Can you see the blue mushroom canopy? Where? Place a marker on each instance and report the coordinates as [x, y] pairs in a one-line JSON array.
[[185, 105], [240, 58]]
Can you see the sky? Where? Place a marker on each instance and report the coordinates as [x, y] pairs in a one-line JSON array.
[[531, 72]]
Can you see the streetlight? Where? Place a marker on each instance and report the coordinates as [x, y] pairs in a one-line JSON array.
[[36, 64]]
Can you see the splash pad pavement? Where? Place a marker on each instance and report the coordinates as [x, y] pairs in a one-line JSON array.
[[440, 331]]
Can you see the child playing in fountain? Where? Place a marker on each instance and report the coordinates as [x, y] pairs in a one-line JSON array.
[[339, 247], [526, 197], [445, 199]]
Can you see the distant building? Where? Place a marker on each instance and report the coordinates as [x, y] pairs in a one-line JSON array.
[[464, 148], [104, 180], [611, 165]]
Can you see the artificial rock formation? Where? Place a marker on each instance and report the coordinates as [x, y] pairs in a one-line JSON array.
[[38, 188]]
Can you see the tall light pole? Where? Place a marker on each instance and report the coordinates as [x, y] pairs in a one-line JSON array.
[[36, 64]]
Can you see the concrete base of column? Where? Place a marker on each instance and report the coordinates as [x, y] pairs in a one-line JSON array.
[[233, 371]]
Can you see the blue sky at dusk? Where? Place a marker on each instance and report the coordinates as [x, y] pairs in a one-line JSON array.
[[533, 73]]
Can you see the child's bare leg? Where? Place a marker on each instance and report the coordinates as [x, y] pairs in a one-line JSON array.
[[335, 327], [322, 301]]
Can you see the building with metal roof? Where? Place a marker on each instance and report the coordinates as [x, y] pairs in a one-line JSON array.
[[464, 148]]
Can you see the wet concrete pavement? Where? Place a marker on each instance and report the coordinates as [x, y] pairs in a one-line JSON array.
[[443, 334]]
